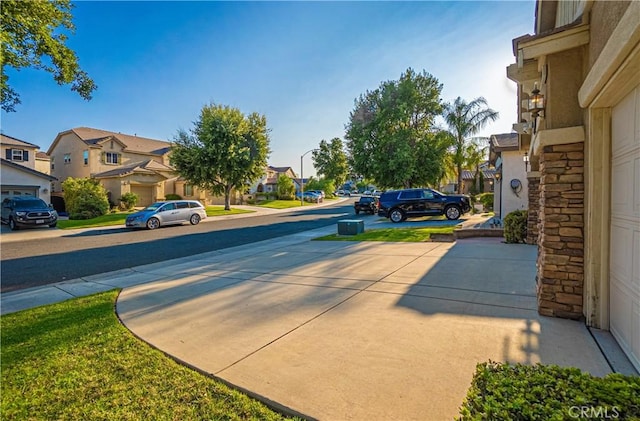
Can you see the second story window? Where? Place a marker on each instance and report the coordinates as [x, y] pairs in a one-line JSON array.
[[17, 155], [111, 158], [85, 157], [67, 158], [53, 166]]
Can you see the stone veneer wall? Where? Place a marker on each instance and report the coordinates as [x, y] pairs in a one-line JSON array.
[[560, 231], [534, 206]]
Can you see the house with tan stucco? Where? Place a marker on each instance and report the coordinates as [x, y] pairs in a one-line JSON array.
[[578, 84], [123, 163], [22, 173]]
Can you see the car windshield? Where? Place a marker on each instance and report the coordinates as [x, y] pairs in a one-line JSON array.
[[153, 207], [437, 192], [31, 203]]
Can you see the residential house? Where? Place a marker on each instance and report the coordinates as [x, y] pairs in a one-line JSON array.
[[471, 180], [511, 186], [123, 163], [21, 175], [578, 80], [269, 181]]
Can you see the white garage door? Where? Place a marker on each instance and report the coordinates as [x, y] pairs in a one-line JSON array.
[[625, 225], [145, 195], [17, 191]]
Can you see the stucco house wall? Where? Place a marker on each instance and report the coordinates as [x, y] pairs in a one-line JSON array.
[[513, 169]]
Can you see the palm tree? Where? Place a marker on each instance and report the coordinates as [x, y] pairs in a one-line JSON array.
[[465, 120]]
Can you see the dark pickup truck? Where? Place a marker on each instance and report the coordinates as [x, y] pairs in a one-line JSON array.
[[368, 204], [27, 212]]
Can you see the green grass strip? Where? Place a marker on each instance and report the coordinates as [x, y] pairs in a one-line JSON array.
[[101, 221], [415, 235], [219, 211], [281, 204], [75, 361]]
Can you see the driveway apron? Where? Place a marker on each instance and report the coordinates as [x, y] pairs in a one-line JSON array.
[[362, 331]]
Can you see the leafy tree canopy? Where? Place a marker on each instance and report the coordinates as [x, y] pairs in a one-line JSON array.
[[286, 188], [33, 35], [225, 150], [392, 137], [330, 160]]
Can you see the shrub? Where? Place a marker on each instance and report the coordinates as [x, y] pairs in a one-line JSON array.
[[129, 200], [544, 392], [515, 227], [286, 188], [172, 196], [486, 199], [85, 198]]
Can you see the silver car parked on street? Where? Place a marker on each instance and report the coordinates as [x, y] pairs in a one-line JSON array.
[[167, 213]]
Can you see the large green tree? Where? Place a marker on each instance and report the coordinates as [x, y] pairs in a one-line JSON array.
[[392, 136], [34, 35], [465, 120], [224, 150], [330, 160]]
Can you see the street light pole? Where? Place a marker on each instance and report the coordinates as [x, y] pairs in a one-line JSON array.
[[302, 176]]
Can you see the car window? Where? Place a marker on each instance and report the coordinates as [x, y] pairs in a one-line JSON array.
[[26, 204], [182, 205], [410, 194], [168, 206], [195, 205], [427, 194]]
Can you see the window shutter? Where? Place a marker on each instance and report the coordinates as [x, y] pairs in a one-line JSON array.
[[25, 156], [119, 159], [102, 157], [8, 154]]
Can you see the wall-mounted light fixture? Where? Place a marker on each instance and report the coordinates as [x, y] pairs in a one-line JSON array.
[[525, 158], [497, 176], [536, 102]]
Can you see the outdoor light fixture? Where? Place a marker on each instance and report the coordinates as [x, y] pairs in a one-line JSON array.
[[525, 158], [536, 101], [497, 176]]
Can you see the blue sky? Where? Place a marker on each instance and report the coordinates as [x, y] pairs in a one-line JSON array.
[[302, 64]]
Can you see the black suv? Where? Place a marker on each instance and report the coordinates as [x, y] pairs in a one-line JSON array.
[[368, 204], [27, 212], [399, 205]]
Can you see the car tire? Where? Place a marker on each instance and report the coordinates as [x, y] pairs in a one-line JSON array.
[[153, 223], [12, 225], [452, 212], [195, 219], [396, 215], [357, 211]]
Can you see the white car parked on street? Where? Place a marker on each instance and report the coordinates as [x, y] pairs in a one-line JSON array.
[[167, 213]]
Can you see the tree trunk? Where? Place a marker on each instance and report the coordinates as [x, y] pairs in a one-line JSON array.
[[227, 198], [459, 188]]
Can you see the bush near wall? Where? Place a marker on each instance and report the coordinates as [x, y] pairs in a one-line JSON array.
[[85, 198], [128, 200], [486, 199], [515, 227], [548, 392], [172, 196]]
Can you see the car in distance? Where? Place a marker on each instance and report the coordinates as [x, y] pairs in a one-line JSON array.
[[167, 213], [398, 205], [27, 212], [367, 204]]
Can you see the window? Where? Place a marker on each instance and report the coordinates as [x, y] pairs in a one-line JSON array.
[[410, 194], [195, 205], [67, 158], [427, 194], [16, 155], [182, 205], [85, 157], [188, 190], [111, 158], [52, 164]]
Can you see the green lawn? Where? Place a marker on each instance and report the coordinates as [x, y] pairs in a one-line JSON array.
[[219, 211], [282, 204], [101, 221], [75, 361], [391, 234]]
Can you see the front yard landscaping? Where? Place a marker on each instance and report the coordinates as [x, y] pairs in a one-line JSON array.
[[282, 204], [391, 234], [75, 361]]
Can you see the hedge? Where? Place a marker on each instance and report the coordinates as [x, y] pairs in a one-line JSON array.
[[515, 227], [501, 391]]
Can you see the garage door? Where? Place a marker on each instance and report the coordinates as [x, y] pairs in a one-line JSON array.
[[625, 225], [145, 195], [17, 191]]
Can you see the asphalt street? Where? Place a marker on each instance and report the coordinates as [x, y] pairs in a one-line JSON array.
[[43, 261]]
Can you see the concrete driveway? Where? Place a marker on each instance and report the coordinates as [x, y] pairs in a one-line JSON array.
[[344, 330]]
